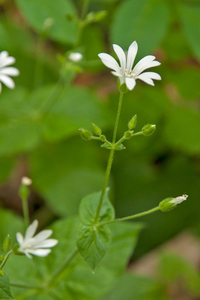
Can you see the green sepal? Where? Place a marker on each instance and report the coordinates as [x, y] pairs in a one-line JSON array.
[[148, 129], [85, 134], [110, 146], [122, 87], [167, 205], [92, 243], [15, 250], [132, 123]]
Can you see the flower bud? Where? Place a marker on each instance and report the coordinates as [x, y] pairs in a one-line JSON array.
[[7, 243], [24, 190], [132, 123], [2, 273], [103, 138], [75, 56], [170, 203], [128, 134], [85, 134], [96, 129], [148, 129]]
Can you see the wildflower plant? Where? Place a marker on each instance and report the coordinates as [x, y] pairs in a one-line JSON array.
[[86, 254]]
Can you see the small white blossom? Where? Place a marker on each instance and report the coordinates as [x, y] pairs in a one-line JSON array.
[[37, 245], [179, 199], [26, 181], [6, 71], [126, 73], [75, 56]]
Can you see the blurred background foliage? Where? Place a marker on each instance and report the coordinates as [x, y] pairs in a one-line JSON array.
[[53, 98]]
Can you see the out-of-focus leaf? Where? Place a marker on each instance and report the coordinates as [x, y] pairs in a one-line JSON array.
[[63, 177], [130, 286], [62, 13], [145, 21], [182, 130], [172, 267], [5, 287], [6, 164], [190, 17]]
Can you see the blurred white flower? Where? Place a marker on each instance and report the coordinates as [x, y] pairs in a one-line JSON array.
[[126, 73], [26, 181], [36, 245], [5, 71], [179, 199], [75, 56]]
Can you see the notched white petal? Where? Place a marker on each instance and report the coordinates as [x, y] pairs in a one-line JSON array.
[[109, 61], [121, 55], [30, 231]]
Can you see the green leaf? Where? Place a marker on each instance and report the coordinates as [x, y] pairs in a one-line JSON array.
[[130, 286], [89, 205], [76, 170], [63, 29], [190, 17], [182, 130], [5, 288], [139, 19], [92, 243]]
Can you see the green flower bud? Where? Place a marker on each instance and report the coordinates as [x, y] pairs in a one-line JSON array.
[[132, 123], [128, 134], [1, 257], [85, 134], [7, 243], [2, 273], [170, 203], [103, 138], [24, 190], [148, 129], [96, 129]]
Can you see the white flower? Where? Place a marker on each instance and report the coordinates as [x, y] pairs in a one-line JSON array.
[[179, 199], [75, 56], [5, 71], [36, 245], [126, 73], [26, 181]]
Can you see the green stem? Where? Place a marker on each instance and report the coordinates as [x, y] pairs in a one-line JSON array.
[[25, 211], [62, 268], [5, 259], [133, 216], [26, 286], [110, 159], [137, 133]]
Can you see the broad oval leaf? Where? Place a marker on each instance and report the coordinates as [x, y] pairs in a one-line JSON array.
[[92, 243], [62, 29]]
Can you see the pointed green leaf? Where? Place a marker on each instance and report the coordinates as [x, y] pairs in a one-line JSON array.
[[92, 243], [88, 208], [5, 287]]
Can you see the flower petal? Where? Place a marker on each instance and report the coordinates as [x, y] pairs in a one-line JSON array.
[[132, 51], [130, 83], [30, 231], [148, 76], [46, 244], [7, 61], [7, 81], [39, 252], [121, 55], [109, 61], [19, 238], [145, 63], [41, 236], [10, 71]]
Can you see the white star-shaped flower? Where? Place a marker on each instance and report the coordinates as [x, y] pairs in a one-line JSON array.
[[37, 245], [6, 71], [126, 73]]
